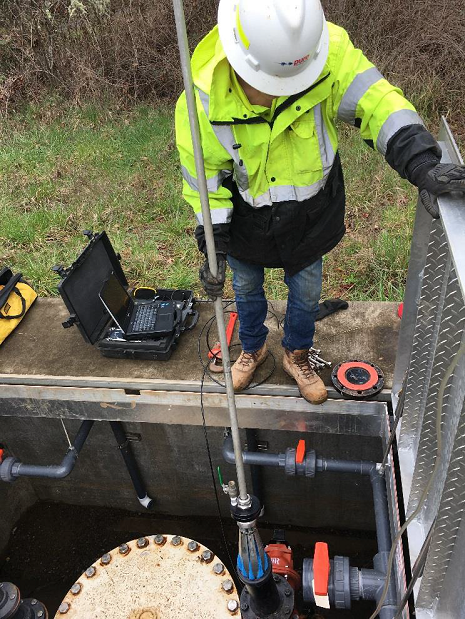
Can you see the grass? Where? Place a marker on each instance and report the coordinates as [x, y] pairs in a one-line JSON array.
[[66, 169]]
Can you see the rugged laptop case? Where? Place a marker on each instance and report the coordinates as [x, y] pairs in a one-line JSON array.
[[79, 288]]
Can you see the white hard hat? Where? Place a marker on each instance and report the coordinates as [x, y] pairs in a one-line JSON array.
[[277, 46]]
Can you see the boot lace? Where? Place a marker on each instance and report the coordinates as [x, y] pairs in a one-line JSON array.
[[246, 358], [301, 362]]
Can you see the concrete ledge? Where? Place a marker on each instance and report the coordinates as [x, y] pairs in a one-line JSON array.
[[40, 347]]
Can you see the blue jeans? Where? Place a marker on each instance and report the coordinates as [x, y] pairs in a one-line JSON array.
[[252, 307]]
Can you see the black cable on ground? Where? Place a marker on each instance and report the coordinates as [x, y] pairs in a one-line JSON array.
[[207, 327]]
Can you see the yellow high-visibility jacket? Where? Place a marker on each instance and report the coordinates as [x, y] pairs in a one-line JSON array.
[[274, 179]]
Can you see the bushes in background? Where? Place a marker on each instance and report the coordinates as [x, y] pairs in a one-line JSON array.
[[126, 49]]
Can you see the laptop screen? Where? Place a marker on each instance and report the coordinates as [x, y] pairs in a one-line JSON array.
[[117, 300]]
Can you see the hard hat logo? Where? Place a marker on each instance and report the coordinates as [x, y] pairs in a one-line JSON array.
[[258, 35], [301, 60]]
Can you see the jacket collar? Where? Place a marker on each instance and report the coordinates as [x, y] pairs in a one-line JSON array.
[[211, 74]]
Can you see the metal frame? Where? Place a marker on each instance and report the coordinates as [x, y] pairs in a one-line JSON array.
[[433, 329], [178, 407]]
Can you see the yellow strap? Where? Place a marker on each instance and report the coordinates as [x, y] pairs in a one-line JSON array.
[[240, 30]]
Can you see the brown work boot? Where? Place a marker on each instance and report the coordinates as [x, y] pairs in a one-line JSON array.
[[244, 368], [311, 387]]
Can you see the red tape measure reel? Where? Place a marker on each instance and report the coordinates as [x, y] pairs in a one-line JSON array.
[[357, 379]]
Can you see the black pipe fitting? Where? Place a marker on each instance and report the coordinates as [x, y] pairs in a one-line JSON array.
[[131, 464], [13, 607], [272, 597], [248, 514]]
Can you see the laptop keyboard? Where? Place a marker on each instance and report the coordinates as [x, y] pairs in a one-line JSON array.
[[145, 318]]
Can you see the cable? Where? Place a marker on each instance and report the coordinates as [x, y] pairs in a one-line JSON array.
[[207, 444], [207, 327], [428, 486], [397, 417], [417, 571]]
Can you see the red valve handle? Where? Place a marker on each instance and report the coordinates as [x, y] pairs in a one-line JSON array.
[[300, 452], [321, 569], [215, 352]]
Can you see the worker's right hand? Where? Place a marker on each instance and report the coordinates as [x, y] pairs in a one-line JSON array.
[[213, 286], [434, 180]]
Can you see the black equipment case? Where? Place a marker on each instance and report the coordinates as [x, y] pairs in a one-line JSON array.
[[79, 288]]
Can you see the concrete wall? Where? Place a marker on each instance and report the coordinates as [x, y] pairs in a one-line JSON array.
[[14, 500], [174, 463]]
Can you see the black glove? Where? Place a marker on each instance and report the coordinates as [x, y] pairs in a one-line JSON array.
[[213, 286], [330, 306], [434, 179]]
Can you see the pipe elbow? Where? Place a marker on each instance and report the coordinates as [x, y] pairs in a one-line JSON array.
[[228, 450], [67, 465]]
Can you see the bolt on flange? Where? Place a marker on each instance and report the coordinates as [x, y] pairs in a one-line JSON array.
[[207, 556], [106, 559], [176, 541], [76, 588], [90, 572], [159, 539], [124, 549], [142, 542], [192, 546], [227, 586], [64, 608], [233, 606], [218, 568]]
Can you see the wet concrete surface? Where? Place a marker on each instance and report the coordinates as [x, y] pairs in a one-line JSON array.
[[40, 346], [53, 544]]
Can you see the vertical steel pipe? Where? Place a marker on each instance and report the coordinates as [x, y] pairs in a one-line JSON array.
[[209, 238]]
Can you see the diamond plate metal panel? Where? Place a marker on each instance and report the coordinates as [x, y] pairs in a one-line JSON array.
[[450, 521], [424, 342], [451, 327]]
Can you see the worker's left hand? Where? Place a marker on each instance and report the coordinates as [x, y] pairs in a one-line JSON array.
[[434, 180]]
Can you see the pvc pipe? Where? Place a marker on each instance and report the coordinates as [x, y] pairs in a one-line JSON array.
[[131, 464], [361, 467], [255, 471], [253, 458], [383, 526], [183, 45], [258, 458], [59, 471]]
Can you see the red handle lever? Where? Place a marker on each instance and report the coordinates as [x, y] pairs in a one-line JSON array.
[[216, 350], [300, 452], [230, 327], [321, 569]]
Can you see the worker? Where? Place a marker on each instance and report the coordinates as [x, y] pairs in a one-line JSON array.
[[271, 80]]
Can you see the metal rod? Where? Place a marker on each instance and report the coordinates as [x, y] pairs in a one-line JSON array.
[[209, 238]]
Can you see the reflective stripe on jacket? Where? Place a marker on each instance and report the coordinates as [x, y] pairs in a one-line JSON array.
[[290, 157]]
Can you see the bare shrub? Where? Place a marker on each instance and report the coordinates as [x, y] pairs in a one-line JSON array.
[[418, 44], [126, 49]]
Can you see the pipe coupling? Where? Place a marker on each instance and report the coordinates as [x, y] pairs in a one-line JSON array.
[[290, 467], [6, 469]]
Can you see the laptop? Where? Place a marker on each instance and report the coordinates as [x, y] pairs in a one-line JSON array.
[[137, 319]]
